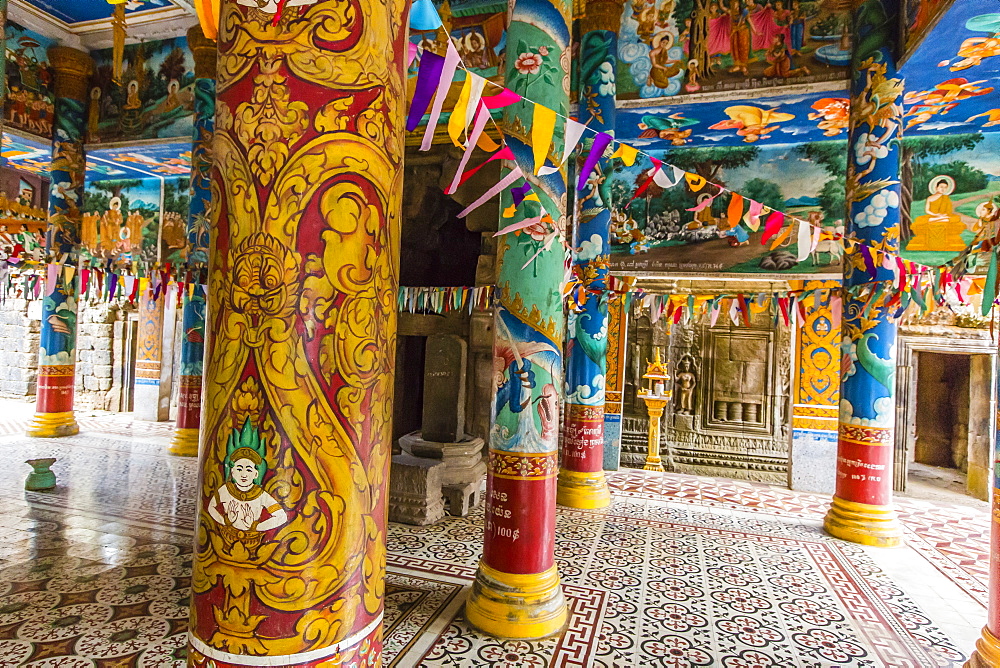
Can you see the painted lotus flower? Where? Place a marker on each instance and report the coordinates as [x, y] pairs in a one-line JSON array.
[[528, 63]]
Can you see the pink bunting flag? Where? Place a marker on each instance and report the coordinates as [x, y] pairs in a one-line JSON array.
[[514, 227], [772, 225], [51, 279], [501, 185], [503, 154], [836, 310], [451, 61], [704, 204], [482, 116], [411, 53], [752, 218], [504, 98]]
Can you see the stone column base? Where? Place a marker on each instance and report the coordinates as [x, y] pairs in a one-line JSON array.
[[864, 524], [582, 489], [514, 605], [987, 654], [185, 443], [53, 425], [463, 460]]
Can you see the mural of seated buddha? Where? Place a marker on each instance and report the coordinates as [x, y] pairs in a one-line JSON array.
[[940, 228]]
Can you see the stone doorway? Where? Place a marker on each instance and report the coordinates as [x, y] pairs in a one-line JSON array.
[[944, 417]]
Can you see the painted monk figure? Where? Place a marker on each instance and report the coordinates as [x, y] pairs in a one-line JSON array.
[[739, 37], [940, 229]]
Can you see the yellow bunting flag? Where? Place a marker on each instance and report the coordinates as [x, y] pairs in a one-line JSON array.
[[543, 126], [735, 211], [694, 181], [626, 153], [456, 123]]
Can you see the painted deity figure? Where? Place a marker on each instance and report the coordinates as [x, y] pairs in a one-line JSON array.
[[940, 228], [130, 120], [797, 27], [241, 507], [662, 66], [739, 37]]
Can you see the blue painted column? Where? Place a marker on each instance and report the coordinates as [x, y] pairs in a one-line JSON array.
[[54, 416], [862, 506], [185, 443], [582, 483]]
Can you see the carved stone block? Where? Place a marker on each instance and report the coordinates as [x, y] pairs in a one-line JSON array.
[[415, 490]]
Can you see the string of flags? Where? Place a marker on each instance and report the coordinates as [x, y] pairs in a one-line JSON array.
[[473, 109]]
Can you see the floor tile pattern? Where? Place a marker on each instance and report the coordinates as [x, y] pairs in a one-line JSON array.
[[680, 571], [956, 539]]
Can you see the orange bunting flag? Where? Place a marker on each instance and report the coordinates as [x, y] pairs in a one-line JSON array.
[[735, 211]]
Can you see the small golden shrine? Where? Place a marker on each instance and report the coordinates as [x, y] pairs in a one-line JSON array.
[[656, 378]]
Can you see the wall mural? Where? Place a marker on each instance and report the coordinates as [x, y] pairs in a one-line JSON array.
[[918, 17], [673, 47], [121, 220], [687, 227], [29, 104], [478, 29], [26, 155], [80, 12], [154, 99]]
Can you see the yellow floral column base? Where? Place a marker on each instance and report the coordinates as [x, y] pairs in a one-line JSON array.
[[53, 425], [987, 654], [861, 523], [511, 605], [584, 490], [185, 443]]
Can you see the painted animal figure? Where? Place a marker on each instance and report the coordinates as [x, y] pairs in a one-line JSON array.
[[835, 246]]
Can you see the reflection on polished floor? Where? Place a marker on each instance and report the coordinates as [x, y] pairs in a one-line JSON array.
[[679, 571]]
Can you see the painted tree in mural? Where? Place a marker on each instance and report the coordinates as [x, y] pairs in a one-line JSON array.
[[710, 161], [912, 151], [832, 156]]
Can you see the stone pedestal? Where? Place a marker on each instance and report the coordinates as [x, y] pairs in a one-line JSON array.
[[464, 469], [415, 490]]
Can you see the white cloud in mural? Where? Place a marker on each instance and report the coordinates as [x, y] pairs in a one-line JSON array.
[[60, 358], [711, 137], [877, 209], [587, 395], [591, 248], [942, 125], [794, 130], [885, 413], [867, 146]]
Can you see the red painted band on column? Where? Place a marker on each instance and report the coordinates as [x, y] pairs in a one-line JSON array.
[[864, 465], [55, 388], [189, 403], [993, 619], [520, 512], [583, 439]]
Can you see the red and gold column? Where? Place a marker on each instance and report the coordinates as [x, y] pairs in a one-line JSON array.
[[205, 52], [71, 70], [289, 562], [147, 359], [862, 510]]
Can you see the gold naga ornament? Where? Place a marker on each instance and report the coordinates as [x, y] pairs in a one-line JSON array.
[[118, 38]]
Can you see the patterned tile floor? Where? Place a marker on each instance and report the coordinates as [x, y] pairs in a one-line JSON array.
[[680, 571]]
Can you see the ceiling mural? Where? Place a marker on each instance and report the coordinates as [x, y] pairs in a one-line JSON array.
[[83, 11], [953, 78], [671, 47], [919, 16], [138, 162]]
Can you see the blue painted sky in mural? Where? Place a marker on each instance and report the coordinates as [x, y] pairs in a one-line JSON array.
[[80, 11], [965, 45], [139, 162]]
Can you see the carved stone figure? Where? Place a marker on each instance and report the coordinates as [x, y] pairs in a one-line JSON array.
[[686, 381]]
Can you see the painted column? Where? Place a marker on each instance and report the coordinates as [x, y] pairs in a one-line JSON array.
[[816, 391], [615, 381], [582, 483], [289, 561], [862, 506], [204, 50], [71, 69], [147, 404], [987, 654], [517, 592]]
